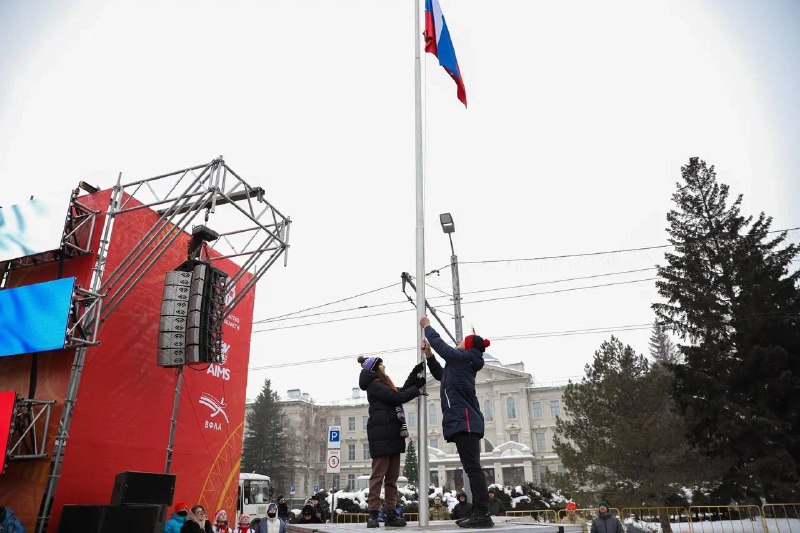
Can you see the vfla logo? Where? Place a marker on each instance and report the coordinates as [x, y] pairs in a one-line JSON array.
[[217, 408]]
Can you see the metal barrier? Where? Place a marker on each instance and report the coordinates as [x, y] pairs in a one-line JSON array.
[[658, 519], [727, 519], [782, 517], [359, 518], [351, 518], [539, 515], [587, 513]]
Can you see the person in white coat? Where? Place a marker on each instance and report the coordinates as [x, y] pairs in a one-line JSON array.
[[272, 524]]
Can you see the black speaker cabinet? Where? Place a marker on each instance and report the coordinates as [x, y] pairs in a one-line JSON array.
[[143, 488], [112, 519], [83, 518]]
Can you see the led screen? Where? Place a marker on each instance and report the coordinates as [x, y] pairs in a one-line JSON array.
[[33, 226], [6, 408], [34, 318]]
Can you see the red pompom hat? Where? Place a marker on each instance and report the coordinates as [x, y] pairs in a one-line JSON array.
[[476, 342]]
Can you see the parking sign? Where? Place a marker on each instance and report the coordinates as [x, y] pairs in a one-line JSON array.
[[334, 437]]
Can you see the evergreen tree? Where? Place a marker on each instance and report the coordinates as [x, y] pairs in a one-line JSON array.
[[265, 449], [730, 297], [623, 439], [410, 468], [662, 350]]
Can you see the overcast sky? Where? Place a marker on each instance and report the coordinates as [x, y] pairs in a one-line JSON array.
[[580, 116]]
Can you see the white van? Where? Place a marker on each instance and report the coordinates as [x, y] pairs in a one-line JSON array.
[[255, 493]]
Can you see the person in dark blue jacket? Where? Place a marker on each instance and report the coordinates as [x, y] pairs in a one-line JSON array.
[[462, 420]]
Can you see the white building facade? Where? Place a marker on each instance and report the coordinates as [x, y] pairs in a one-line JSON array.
[[520, 421]]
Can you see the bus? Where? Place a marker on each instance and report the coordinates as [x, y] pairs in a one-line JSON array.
[[255, 492]]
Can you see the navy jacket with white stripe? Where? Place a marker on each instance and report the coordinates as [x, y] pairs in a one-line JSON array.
[[461, 411]]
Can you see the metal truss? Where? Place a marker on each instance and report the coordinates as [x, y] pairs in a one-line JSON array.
[[250, 228], [76, 239], [79, 332], [29, 429]]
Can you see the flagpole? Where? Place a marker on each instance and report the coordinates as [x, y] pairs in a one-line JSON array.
[[422, 401]]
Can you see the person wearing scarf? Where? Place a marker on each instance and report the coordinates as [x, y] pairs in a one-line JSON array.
[[244, 523], [193, 524], [221, 522], [386, 432]]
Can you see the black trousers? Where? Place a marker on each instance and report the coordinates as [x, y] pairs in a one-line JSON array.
[[469, 451]]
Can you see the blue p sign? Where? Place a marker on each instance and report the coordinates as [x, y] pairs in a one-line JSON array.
[[334, 437]]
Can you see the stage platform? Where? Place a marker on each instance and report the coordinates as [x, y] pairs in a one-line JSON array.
[[501, 524]]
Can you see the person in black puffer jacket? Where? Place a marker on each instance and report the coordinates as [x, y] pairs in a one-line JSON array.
[[462, 420], [387, 432], [605, 521]]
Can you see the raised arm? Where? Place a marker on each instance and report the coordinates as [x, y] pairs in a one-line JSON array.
[[447, 352]]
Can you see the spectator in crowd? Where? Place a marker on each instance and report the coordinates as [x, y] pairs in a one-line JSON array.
[[463, 508], [605, 521], [9, 523], [283, 509], [193, 523], [272, 523], [462, 420], [318, 508], [175, 523], [244, 523], [308, 516], [387, 432], [572, 516], [438, 511], [496, 507], [221, 522], [200, 512]]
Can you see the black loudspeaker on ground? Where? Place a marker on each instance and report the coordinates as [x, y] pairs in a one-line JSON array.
[[112, 519]]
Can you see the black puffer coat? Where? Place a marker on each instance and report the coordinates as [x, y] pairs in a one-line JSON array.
[[383, 427]]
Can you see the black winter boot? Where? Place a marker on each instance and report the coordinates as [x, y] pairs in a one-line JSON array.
[[373, 519], [392, 520], [478, 520]]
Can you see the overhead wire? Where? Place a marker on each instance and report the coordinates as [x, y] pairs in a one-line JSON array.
[[540, 258]]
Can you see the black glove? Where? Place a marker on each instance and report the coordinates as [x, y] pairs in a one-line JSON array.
[[419, 383], [412, 376]]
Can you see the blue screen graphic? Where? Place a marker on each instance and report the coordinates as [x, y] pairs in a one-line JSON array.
[[34, 318]]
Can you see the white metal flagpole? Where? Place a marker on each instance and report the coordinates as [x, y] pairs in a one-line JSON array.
[[422, 401]]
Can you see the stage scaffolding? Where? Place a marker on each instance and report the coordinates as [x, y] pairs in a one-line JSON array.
[[252, 232]]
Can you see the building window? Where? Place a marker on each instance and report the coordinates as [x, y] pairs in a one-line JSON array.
[[540, 441], [351, 453], [514, 475], [543, 472], [366, 451], [488, 447], [351, 479], [555, 408], [322, 455], [412, 420], [511, 408], [364, 420], [337, 421], [433, 443], [432, 418], [351, 423], [488, 410], [537, 410], [434, 478], [513, 437]]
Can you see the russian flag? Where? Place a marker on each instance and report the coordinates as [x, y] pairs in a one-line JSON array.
[[438, 43]]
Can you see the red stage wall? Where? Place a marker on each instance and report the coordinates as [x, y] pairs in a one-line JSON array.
[[122, 416]]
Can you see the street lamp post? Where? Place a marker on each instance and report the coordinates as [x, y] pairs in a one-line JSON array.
[[449, 227]]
